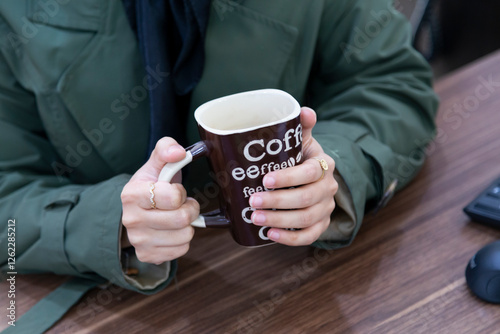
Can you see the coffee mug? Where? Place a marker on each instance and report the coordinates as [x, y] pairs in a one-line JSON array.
[[244, 136]]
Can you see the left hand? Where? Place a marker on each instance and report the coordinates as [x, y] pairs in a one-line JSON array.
[[308, 207]]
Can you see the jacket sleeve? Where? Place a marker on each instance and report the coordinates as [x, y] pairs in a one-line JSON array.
[[60, 227], [375, 103]]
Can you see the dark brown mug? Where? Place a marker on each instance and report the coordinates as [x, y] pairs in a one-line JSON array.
[[244, 136]]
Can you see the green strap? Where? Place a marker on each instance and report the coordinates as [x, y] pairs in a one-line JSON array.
[[50, 309]]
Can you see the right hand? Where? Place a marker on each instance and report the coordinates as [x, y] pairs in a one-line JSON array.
[[164, 233]]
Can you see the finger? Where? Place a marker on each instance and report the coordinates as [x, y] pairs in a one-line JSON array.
[[172, 253], [166, 150], [175, 219], [163, 219], [301, 218], [302, 237], [167, 196], [308, 172], [296, 198], [159, 255], [149, 238], [308, 120]]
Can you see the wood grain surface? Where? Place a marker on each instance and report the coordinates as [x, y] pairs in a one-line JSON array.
[[404, 273]]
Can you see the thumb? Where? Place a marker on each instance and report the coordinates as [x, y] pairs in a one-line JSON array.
[[308, 120], [166, 150]]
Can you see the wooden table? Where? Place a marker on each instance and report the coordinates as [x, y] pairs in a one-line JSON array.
[[404, 273]]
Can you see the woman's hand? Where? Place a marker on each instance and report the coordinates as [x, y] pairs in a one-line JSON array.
[[163, 233], [309, 205]]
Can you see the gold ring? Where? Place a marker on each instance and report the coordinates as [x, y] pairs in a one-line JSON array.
[[324, 166], [152, 198]]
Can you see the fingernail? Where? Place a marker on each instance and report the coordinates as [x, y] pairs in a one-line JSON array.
[[258, 218], [256, 201], [171, 149], [269, 181], [273, 235]]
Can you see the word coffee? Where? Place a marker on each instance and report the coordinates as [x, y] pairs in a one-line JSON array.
[[273, 147]]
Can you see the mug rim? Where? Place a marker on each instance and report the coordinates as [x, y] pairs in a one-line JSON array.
[[202, 108]]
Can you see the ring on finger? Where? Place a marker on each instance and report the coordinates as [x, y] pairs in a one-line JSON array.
[[152, 197], [324, 166]]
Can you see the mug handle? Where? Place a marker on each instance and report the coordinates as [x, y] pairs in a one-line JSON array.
[[193, 152]]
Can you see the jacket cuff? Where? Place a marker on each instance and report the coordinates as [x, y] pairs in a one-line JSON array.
[[103, 242], [358, 184], [343, 219]]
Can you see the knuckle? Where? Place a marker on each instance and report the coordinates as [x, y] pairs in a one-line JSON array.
[[194, 205], [182, 191], [175, 197], [129, 221], [185, 235], [188, 234], [126, 195], [332, 206], [306, 198], [305, 218], [311, 170], [183, 217], [136, 239], [184, 249], [330, 162], [180, 251], [334, 187]]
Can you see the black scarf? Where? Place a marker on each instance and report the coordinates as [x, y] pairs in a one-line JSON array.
[[171, 36]]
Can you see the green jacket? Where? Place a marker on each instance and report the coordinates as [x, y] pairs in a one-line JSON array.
[[74, 116]]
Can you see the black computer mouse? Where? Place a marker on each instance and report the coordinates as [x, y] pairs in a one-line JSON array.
[[483, 273]]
